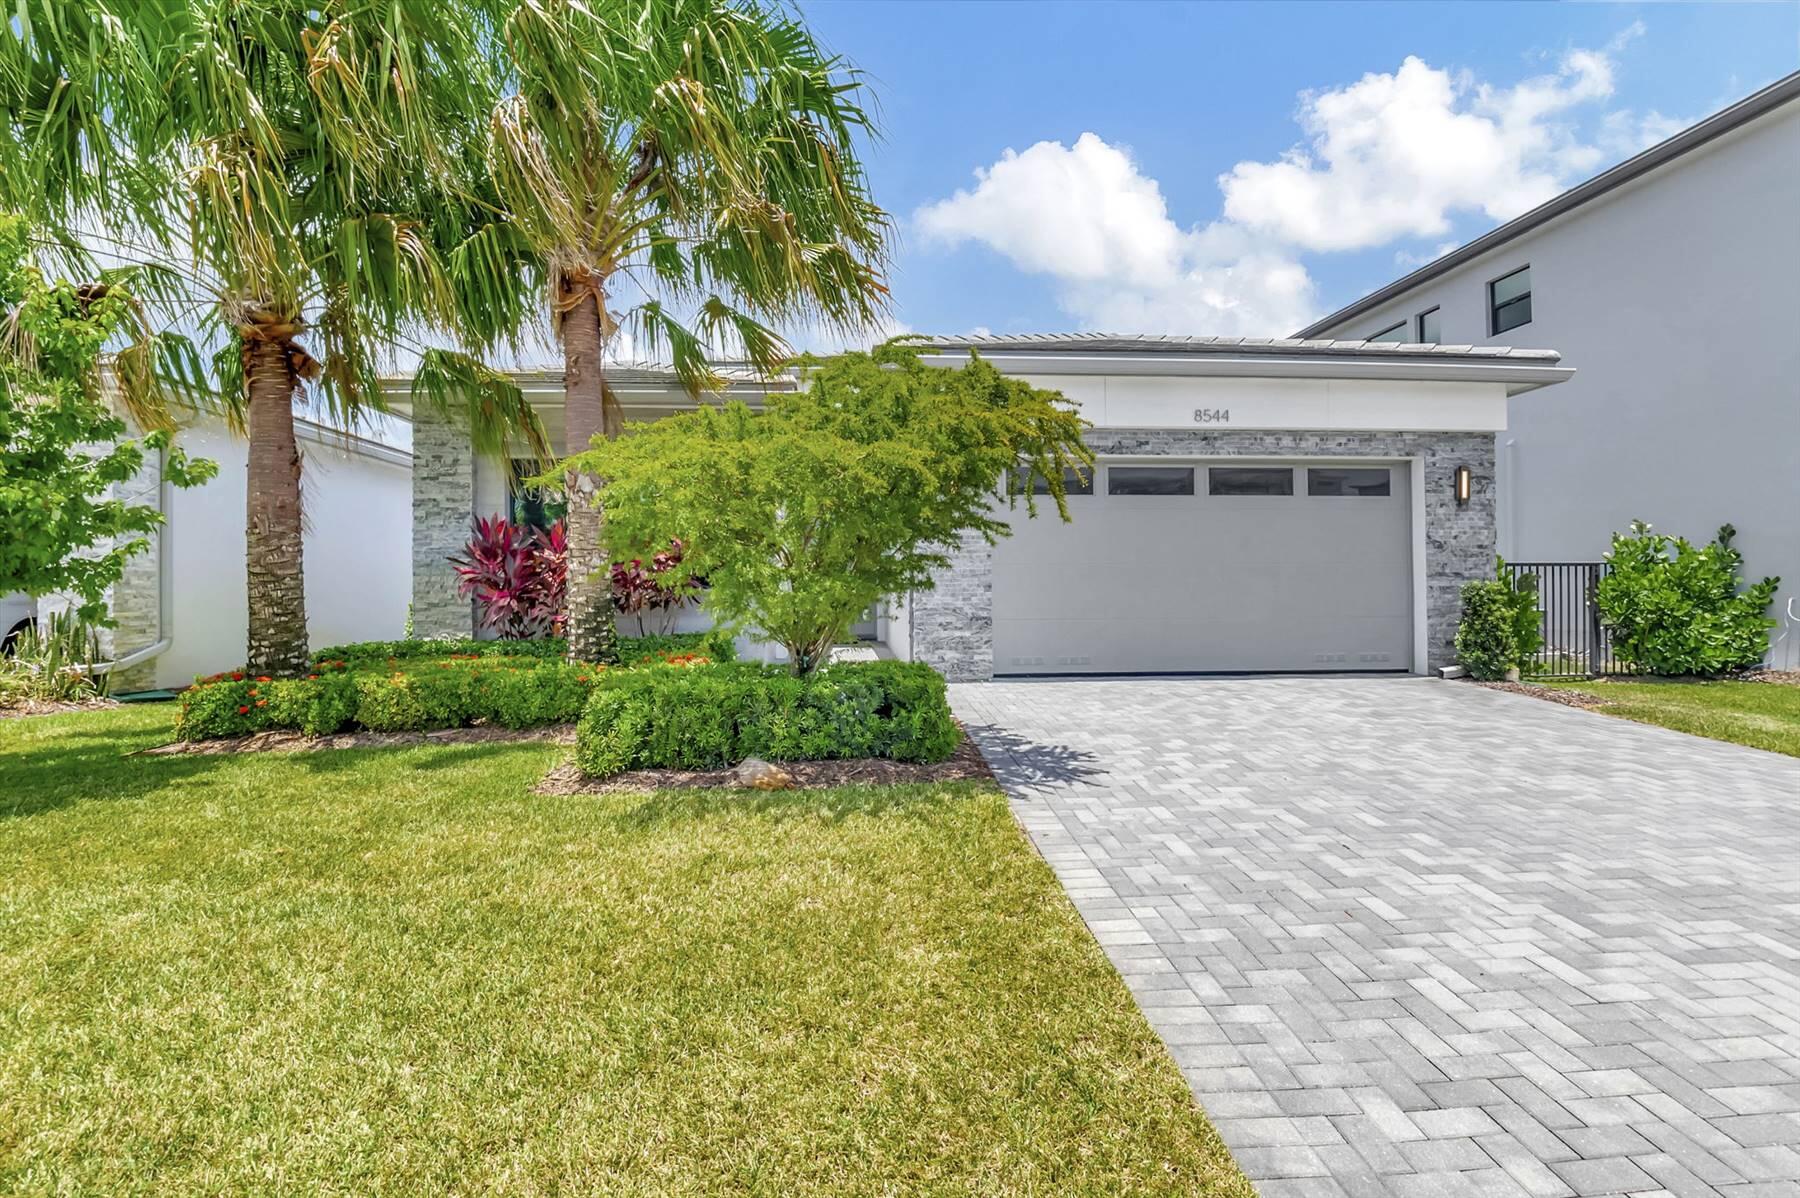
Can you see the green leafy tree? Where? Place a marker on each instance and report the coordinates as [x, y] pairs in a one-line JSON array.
[[1673, 607], [656, 157], [62, 447], [304, 172], [858, 487]]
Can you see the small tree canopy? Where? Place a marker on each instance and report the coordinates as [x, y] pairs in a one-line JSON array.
[[59, 439], [856, 488]]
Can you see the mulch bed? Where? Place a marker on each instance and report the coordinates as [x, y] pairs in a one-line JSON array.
[[1587, 702], [1555, 694], [297, 742], [32, 707], [964, 765], [1778, 677]]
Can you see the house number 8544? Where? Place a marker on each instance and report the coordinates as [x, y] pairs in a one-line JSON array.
[[1212, 415]]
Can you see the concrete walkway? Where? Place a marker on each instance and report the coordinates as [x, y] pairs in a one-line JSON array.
[[1421, 938]]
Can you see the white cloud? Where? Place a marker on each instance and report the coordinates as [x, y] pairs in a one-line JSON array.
[[1399, 155], [1085, 216], [1387, 158]]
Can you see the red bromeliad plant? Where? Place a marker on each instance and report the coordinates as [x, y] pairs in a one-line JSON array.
[[518, 577], [656, 591]]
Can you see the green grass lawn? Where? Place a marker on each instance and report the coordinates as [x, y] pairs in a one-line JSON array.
[[1762, 715], [399, 972]]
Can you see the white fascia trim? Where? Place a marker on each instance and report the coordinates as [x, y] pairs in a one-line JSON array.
[[319, 434], [1517, 376]]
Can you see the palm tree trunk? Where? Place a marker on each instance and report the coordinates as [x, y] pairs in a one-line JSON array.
[[592, 636], [277, 588]]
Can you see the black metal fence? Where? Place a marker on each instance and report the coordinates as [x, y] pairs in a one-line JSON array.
[[1576, 644]]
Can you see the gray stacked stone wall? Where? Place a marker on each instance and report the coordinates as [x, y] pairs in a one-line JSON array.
[[953, 626], [136, 601], [443, 482]]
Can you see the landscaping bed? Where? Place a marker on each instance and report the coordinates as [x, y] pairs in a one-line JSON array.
[[413, 686], [29, 707], [1537, 690], [282, 741], [707, 719], [964, 764]]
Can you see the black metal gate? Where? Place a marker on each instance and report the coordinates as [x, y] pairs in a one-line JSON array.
[[1576, 644]]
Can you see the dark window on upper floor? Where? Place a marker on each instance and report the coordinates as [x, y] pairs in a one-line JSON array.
[[1429, 332], [1249, 480], [1394, 333], [1509, 301]]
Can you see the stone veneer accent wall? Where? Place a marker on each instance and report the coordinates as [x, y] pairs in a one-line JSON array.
[[443, 483], [136, 602], [953, 626]]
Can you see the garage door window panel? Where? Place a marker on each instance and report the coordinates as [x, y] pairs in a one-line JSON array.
[[1150, 480], [1350, 482], [1249, 480], [1075, 482]]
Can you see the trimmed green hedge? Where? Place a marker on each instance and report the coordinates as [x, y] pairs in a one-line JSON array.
[[502, 691], [717, 716], [714, 645]]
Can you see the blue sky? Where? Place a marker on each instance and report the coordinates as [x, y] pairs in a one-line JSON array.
[[1347, 163]]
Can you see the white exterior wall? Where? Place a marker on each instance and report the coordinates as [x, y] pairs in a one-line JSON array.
[[1677, 300], [358, 544]]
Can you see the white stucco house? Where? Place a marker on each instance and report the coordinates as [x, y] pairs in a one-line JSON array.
[[1310, 503], [1672, 284], [1259, 506], [180, 609]]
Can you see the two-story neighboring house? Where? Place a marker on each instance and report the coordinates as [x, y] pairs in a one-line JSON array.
[[1671, 283]]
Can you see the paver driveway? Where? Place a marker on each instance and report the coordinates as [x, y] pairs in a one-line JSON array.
[[1422, 938]]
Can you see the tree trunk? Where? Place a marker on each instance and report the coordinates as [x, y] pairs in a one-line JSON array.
[[272, 542], [592, 636]]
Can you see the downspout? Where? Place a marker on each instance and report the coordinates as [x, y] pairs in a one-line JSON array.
[[1509, 496], [165, 605]]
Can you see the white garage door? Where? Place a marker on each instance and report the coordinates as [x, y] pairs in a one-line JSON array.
[[1177, 566]]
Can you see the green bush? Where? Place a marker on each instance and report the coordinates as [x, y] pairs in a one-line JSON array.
[[714, 644], [236, 705], [1676, 608], [505, 691], [717, 716], [1523, 614], [1486, 644]]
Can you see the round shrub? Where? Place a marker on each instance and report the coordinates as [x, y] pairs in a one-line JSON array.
[[1486, 642], [1672, 607], [663, 717]]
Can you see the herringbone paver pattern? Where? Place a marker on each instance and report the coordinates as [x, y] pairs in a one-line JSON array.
[[1421, 938]]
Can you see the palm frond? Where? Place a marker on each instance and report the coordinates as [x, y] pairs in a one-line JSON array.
[[656, 330], [485, 401]]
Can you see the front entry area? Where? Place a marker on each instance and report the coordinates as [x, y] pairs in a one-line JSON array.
[[1212, 565]]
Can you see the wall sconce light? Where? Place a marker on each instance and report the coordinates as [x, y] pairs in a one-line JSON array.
[[1463, 483]]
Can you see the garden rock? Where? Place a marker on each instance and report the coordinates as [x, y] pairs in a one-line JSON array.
[[758, 774]]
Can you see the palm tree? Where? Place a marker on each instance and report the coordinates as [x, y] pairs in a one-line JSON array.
[[656, 156], [302, 167]]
